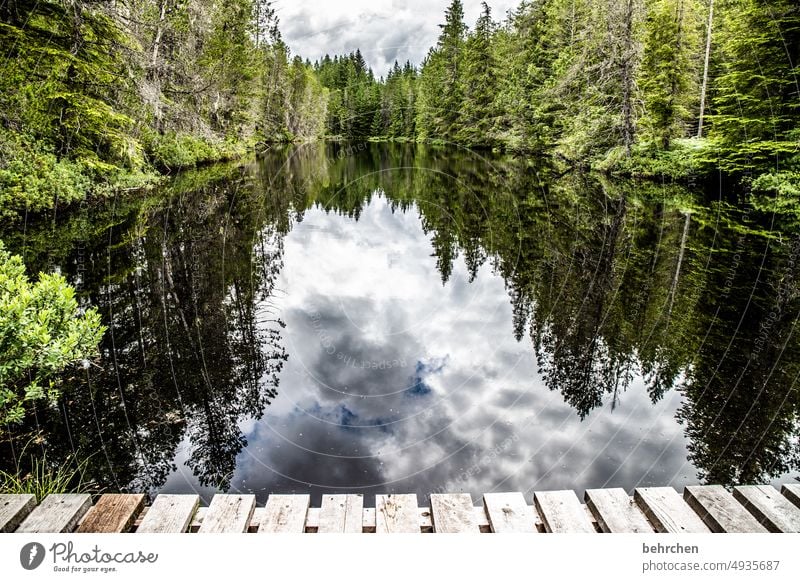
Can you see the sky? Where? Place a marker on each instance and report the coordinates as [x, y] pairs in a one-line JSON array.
[[384, 30]]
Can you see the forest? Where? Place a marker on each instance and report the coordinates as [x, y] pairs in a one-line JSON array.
[[99, 96], [101, 100]]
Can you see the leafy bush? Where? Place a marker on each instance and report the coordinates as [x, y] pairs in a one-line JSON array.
[[31, 178], [42, 333], [783, 184], [172, 151]]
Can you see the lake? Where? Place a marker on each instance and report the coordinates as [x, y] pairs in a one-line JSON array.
[[398, 318]]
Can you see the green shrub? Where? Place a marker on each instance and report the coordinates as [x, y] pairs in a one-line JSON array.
[[41, 477], [173, 151], [782, 184], [32, 179], [42, 333]]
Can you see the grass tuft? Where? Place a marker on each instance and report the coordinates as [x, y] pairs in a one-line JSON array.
[[45, 478]]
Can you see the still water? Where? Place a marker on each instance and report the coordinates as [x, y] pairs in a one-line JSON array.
[[392, 318]]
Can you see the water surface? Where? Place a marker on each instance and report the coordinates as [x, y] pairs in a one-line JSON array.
[[405, 319]]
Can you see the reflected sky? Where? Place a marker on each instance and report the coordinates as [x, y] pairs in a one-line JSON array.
[[396, 382], [403, 371]]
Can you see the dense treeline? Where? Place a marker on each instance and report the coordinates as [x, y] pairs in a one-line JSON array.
[[103, 92], [97, 92], [361, 106], [608, 83]]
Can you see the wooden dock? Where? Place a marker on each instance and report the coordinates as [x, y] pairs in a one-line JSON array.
[[701, 509]]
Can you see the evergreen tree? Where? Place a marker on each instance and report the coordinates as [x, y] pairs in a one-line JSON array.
[[526, 50], [478, 84], [755, 106], [670, 68], [440, 79]]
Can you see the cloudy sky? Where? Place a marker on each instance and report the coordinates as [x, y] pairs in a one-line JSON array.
[[384, 30]]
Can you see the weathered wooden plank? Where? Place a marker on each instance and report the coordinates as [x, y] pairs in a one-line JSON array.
[[285, 514], [769, 507], [396, 513], [453, 513], [341, 514], [228, 514], [562, 512], [508, 513], [170, 514], [57, 514], [720, 511], [792, 493], [667, 512], [113, 513], [616, 512], [14, 509]]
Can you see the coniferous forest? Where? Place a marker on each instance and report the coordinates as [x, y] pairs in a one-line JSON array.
[[577, 214], [99, 96]]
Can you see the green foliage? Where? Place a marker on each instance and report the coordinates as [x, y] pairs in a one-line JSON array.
[[94, 96], [172, 150], [355, 106], [42, 478], [440, 112], [782, 184], [479, 84], [670, 70], [756, 106], [684, 158], [42, 333], [91, 94], [32, 178]]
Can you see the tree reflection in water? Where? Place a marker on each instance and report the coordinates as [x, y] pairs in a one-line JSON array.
[[612, 281]]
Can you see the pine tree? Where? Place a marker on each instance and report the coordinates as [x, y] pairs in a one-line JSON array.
[[478, 84], [755, 108], [440, 79], [670, 68]]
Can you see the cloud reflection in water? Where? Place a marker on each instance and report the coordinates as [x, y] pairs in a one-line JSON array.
[[396, 382]]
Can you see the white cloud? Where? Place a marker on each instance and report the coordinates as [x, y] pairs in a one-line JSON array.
[[384, 30]]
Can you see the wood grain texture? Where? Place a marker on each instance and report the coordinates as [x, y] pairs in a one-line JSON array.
[[285, 514], [769, 507], [720, 511], [396, 513], [341, 514], [113, 513], [562, 512], [453, 513], [57, 514], [508, 513], [14, 509], [667, 511], [170, 514], [615, 512], [228, 514], [792, 493]]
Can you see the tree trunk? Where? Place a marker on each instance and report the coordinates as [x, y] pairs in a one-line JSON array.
[[676, 277], [673, 89], [705, 69], [628, 129], [159, 32]]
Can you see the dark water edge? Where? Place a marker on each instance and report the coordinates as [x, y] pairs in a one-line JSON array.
[[403, 318]]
